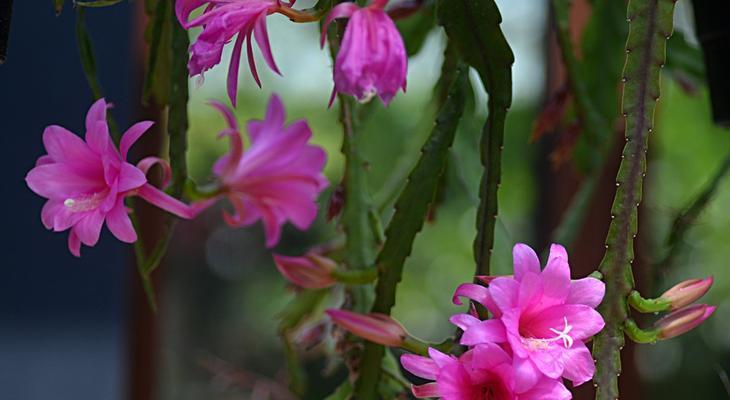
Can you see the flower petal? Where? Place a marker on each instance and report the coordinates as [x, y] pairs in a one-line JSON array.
[[164, 201], [425, 391], [579, 366], [88, 229], [74, 244], [118, 222], [488, 331], [132, 135], [423, 367], [232, 80], [526, 374], [588, 291], [64, 146], [524, 259], [130, 177]]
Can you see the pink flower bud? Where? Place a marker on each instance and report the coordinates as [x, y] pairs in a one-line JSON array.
[[683, 320], [686, 292], [311, 271], [378, 328]]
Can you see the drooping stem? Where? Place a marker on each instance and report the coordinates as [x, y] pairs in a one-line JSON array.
[[650, 24]]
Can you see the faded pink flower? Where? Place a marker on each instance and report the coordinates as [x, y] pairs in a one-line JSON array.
[[221, 20], [375, 327], [686, 292], [683, 320], [277, 179], [483, 372], [543, 317], [311, 271], [372, 58], [86, 182]]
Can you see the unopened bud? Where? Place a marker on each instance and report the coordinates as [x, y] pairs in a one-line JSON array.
[[377, 328], [311, 271], [683, 320], [686, 292]]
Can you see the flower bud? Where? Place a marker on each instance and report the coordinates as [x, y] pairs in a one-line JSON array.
[[683, 320], [311, 271], [686, 292], [377, 328]]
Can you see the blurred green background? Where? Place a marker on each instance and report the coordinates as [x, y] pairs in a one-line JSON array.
[[221, 293]]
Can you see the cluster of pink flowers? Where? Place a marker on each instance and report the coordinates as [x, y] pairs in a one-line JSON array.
[[371, 60], [541, 322], [276, 180]]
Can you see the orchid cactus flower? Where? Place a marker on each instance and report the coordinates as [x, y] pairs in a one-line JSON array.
[[311, 271], [86, 182], [483, 372], [372, 57], [221, 20], [543, 316], [277, 179]]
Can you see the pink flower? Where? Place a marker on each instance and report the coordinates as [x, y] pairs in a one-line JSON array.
[[484, 372], [221, 20], [686, 292], [277, 179], [542, 316], [372, 57], [86, 182], [683, 320], [377, 328], [311, 271]]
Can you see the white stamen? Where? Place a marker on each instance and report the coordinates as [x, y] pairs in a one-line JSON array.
[[567, 340], [69, 203]]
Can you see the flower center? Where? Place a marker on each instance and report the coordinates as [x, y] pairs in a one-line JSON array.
[[84, 202], [543, 343]]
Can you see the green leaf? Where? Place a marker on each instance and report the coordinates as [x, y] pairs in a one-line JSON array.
[[343, 392], [97, 3], [411, 209], [651, 22], [474, 27], [86, 54], [300, 307]]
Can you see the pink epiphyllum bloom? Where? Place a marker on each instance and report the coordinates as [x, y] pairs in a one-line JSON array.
[[221, 20], [686, 292], [311, 271], [277, 179], [86, 182], [377, 328], [543, 316], [683, 320], [372, 58], [484, 372]]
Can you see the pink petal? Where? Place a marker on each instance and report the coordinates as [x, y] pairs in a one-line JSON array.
[[526, 374], [262, 39], [74, 244], [556, 276], [588, 291], [131, 135], [489, 355], [420, 366], [524, 259], [579, 366], [130, 177], [251, 60], [64, 146], [99, 140], [342, 10], [164, 201], [148, 162], [425, 391], [546, 389], [50, 209], [232, 80], [88, 229], [96, 114], [440, 358], [275, 114], [504, 292], [488, 331], [60, 181], [464, 321], [118, 222], [550, 361], [557, 251]]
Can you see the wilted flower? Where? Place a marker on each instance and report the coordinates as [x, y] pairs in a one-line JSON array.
[[86, 182], [543, 316], [311, 271], [372, 58], [686, 292], [277, 179], [683, 320], [378, 328], [483, 372], [221, 20]]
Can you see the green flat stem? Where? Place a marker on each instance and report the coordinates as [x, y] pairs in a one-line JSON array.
[[646, 306]]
